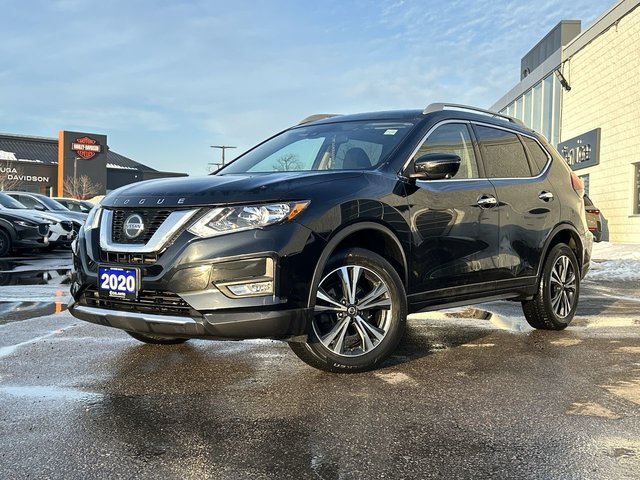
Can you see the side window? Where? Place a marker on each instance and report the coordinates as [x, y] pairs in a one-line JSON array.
[[503, 153], [452, 138], [538, 155]]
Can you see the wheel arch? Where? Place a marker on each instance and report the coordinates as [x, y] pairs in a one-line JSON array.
[[563, 233], [6, 227], [368, 235]]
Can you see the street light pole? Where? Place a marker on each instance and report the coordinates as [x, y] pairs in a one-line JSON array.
[[223, 148]]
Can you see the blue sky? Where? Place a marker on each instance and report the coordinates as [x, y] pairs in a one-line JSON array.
[[167, 79]]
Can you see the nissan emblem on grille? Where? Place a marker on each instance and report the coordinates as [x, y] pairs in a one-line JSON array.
[[133, 226]]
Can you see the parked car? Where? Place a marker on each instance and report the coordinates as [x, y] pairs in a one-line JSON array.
[[328, 234], [37, 201], [61, 229], [40, 202], [594, 219], [21, 231], [75, 205]]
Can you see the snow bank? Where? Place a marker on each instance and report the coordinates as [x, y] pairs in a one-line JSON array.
[[615, 251], [615, 262]]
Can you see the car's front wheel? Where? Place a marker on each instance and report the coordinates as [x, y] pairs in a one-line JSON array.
[[360, 314], [5, 243]]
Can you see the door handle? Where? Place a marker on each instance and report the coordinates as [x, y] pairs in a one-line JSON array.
[[487, 201], [545, 196]]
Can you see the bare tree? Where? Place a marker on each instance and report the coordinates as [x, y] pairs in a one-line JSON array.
[[9, 175], [81, 187], [287, 163]]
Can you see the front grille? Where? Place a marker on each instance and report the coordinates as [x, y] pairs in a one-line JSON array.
[[149, 301], [43, 229], [152, 218], [130, 258]]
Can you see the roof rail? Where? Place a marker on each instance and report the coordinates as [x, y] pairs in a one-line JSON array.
[[437, 107], [317, 116]]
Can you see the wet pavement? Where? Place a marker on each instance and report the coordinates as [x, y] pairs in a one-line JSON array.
[[472, 393]]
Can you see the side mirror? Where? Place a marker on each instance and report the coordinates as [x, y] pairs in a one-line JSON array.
[[435, 166], [39, 207]]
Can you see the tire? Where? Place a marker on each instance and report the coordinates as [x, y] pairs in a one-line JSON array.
[[5, 244], [157, 340], [345, 337], [555, 304]]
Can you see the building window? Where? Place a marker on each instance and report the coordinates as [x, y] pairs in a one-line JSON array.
[[547, 106], [527, 109], [518, 110], [537, 107], [636, 190], [557, 93]]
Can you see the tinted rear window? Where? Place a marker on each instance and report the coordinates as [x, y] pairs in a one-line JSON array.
[[503, 153]]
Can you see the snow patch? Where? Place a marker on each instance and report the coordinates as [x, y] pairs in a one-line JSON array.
[[615, 262], [615, 270]]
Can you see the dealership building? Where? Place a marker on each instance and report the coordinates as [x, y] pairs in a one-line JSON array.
[[41, 164], [581, 89]]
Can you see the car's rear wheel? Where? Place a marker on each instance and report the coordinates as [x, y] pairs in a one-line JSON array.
[[360, 314], [157, 339], [555, 304], [5, 244]]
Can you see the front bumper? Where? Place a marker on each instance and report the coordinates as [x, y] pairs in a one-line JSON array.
[[281, 324], [27, 237], [189, 290]]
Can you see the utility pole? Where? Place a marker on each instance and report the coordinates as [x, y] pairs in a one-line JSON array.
[[223, 148]]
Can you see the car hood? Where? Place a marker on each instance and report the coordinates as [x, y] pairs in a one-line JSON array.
[[74, 216], [221, 189], [48, 215], [20, 214]]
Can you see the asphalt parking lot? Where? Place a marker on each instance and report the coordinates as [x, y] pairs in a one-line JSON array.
[[472, 393]]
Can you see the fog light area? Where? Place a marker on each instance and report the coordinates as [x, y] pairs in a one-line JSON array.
[[258, 288]]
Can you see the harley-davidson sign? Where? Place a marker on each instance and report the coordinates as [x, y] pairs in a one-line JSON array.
[[86, 147], [82, 153]]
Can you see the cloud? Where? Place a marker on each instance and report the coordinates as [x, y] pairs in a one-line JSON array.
[[155, 73]]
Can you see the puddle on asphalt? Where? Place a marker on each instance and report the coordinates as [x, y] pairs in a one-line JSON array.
[[59, 276], [49, 393], [47, 280], [502, 322], [17, 311]]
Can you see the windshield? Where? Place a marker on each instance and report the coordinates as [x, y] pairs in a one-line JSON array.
[[52, 204], [8, 202], [333, 146]]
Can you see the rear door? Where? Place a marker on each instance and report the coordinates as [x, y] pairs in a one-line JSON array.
[[454, 222], [517, 166]]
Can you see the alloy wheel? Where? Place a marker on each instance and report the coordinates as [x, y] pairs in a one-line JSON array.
[[563, 284], [353, 310]]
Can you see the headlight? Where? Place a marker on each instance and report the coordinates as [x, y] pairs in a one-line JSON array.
[[93, 219], [245, 217], [24, 223]]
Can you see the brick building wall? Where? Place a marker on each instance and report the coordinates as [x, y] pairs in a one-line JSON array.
[[605, 92]]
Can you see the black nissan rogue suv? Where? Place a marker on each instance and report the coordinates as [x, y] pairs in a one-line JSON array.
[[329, 234]]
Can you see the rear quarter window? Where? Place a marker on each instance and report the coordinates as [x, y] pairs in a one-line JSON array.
[[538, 155]]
